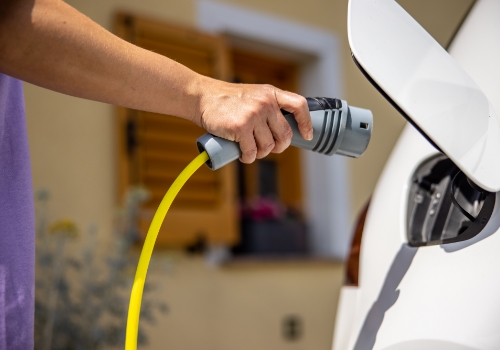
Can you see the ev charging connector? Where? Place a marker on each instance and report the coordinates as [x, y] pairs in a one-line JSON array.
[[337, 129]]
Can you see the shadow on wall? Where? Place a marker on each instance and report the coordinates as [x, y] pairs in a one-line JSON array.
[[387, 297]]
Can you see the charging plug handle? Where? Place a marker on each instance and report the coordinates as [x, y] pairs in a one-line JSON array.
[[337, 129]]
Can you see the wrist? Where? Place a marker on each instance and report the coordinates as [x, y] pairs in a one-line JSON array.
[[200, 90]]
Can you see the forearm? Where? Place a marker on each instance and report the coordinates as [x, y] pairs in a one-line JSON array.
[[50, 44]]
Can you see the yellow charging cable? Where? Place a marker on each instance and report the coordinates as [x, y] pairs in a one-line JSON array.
[[134, 308]]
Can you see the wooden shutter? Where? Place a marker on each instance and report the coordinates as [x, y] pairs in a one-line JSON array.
[[154, 148]]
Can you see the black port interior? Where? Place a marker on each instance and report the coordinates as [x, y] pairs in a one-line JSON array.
[[444, 206]]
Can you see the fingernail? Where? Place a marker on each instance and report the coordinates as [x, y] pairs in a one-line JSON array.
[[310, 135]]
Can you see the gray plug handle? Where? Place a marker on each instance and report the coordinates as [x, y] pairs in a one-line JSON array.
[[337, 129], [220, 151]]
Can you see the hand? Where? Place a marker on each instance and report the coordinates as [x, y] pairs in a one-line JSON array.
[[251, 116]]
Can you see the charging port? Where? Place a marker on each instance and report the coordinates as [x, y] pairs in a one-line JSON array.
[[443, 207], [364, 126]]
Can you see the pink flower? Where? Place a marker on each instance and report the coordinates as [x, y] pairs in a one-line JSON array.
[[263, 208]]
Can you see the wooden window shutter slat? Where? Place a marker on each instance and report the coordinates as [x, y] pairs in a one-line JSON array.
[[207, 206]]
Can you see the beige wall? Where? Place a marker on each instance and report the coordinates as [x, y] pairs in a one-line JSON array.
[[71, 139], [72, 142], [242, 307]]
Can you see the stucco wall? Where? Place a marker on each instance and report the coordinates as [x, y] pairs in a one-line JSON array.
[[71, 139], [243, 307]]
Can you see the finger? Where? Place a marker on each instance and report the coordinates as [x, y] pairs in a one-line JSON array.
[[264, 140], [297, 105], [248, 149], [281, 130]]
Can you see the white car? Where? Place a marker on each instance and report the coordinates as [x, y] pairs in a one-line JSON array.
[[429, 264]]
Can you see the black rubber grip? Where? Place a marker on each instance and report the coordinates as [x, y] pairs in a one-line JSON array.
[[320, 103]]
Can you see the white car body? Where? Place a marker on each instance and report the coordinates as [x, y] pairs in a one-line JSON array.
[[431, 297]]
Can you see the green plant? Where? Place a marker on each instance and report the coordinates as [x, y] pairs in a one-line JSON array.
[[81, 299]]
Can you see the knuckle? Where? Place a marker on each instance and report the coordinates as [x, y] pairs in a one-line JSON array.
[[300, 103], [241, 126], [268, 87], [254, 112], [260, 110], [250, 159], [249, 155], [269, 104], [252, 152], [280, 147], [262, 154], [303, 102], [288, 133], [269, 146]]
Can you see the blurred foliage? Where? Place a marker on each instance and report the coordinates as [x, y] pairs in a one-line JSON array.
[[81, 300]]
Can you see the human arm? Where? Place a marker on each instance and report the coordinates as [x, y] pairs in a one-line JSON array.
[[50, 44]]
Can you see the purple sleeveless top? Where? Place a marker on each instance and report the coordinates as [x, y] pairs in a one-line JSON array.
[[17, 229]]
